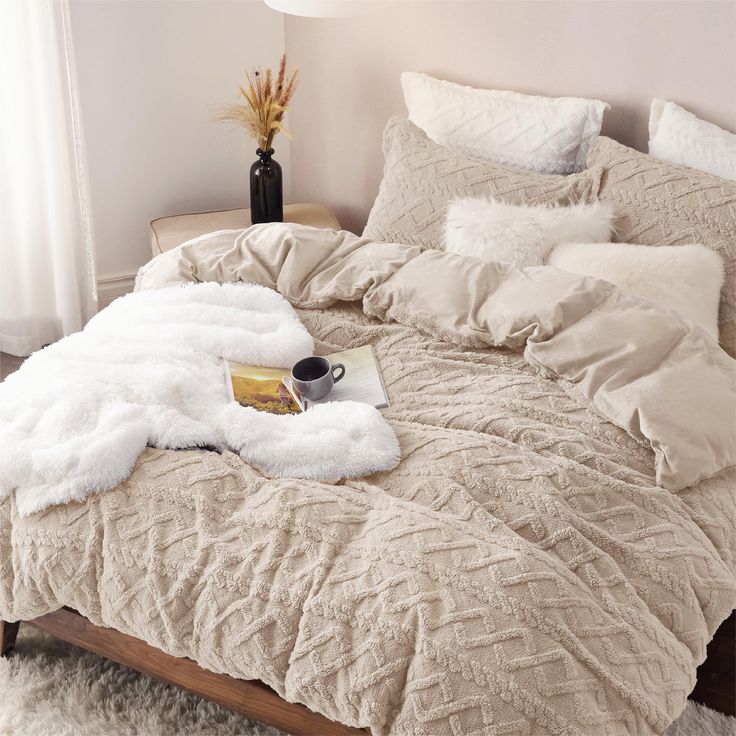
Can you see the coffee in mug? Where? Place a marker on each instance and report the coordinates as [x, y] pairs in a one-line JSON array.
[[314, 377]]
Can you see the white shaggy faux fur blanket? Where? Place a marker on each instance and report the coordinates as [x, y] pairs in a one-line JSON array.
[[147, 371]]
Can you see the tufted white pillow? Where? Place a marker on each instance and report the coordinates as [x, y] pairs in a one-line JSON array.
[[678, 136], [685, 278], [549, 135], [493, 230]]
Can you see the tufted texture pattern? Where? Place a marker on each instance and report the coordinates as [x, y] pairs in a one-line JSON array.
[[678, 136], [659, 203], [421, 177], [519, 572], [551, 135]]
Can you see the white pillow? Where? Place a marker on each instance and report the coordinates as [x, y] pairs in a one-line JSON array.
[[550, 135], [678, 136], [495, 231], [685, 278]]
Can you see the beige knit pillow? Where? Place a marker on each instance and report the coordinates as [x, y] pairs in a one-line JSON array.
[[421, 177], [659, 203]]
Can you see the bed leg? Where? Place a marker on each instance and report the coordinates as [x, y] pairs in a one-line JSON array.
[[8, 635]]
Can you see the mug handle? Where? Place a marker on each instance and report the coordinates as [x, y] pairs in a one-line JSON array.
[[342, 371]]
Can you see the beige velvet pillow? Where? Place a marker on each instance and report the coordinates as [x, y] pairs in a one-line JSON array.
[[421, 177], [659, 203]]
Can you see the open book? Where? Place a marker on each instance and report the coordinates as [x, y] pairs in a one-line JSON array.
[[270, 389]]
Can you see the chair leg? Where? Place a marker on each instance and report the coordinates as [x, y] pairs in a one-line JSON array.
[[8, 635]]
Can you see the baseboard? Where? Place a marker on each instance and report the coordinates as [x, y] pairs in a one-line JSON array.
[[111, 287]]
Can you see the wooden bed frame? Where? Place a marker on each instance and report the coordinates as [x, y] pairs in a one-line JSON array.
[[716, 682], [249, 698]]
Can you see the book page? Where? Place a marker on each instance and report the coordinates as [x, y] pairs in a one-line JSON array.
[[362, 381]]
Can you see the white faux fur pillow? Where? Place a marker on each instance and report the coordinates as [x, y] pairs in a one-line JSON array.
[[680, 137], [492, 230], [685, 278]]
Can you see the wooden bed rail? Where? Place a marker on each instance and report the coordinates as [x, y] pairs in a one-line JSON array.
[[8, 635], [249, 698], [715, 683]]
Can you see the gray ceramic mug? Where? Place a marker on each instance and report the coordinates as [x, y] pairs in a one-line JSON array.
[[314, 377]]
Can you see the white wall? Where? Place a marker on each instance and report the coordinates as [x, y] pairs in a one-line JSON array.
[[150, 74]]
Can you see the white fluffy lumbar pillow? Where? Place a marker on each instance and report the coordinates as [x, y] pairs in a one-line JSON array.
[[680, 137], [685, 278], [523, 235]]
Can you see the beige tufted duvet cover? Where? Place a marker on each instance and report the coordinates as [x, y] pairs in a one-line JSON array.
[[519, 572]]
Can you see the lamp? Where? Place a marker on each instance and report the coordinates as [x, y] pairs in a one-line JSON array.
[[327, 8]]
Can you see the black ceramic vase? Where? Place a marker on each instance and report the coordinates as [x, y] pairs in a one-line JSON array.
[[266, 192]]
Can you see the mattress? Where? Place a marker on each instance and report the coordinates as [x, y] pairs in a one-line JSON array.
[[519, 571]]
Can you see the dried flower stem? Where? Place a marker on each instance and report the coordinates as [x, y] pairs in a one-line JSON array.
[[266, 103]]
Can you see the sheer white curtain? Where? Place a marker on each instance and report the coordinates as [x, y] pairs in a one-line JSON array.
[[47, 273]]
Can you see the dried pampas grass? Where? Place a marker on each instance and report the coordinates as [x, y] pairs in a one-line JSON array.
[[266, 102]]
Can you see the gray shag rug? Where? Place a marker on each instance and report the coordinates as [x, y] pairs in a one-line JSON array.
[[49, 688]]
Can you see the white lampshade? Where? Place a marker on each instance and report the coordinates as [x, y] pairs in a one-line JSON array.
[[327, 8]]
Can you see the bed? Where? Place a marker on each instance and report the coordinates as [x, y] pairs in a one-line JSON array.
[[520, 571]]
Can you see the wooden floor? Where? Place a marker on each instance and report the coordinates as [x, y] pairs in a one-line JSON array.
[[8, 364]]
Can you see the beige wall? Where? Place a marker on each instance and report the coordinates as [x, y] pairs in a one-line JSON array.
[[622, 52], [150, 74]]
